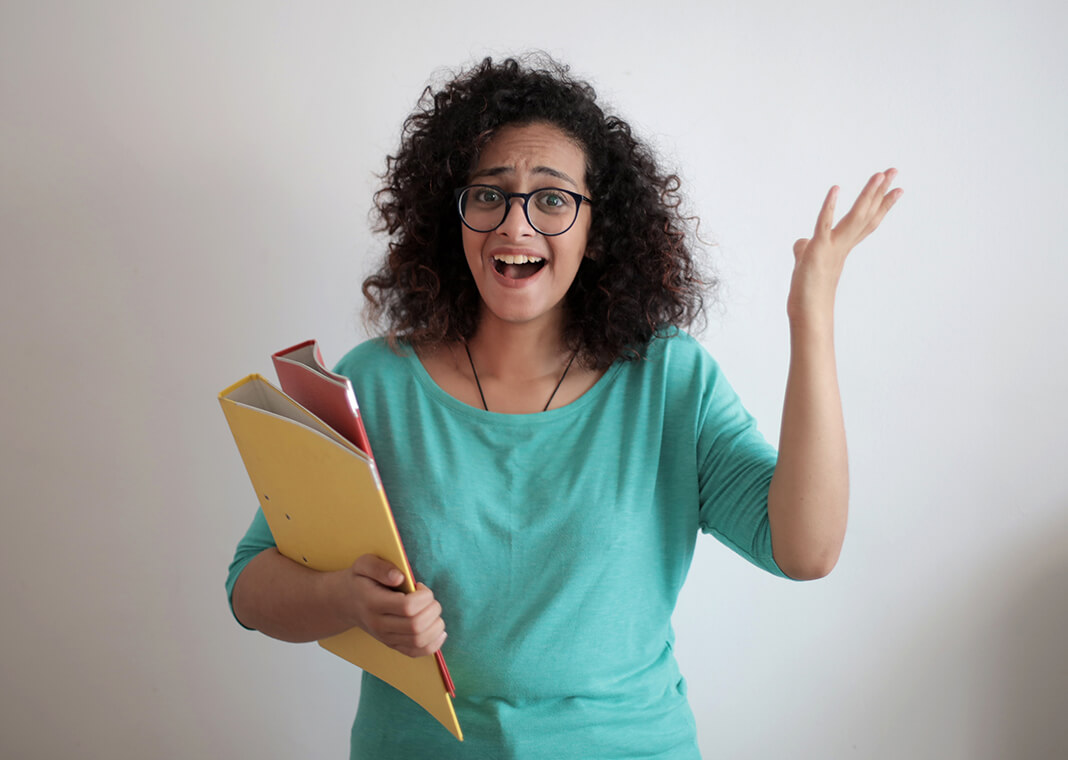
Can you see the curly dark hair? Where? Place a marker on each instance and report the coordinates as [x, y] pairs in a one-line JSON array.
[[640, 278]]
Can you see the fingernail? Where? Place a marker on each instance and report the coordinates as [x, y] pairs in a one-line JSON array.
[[395, 577]]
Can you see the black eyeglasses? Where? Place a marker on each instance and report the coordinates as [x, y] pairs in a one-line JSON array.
[[483, 208]]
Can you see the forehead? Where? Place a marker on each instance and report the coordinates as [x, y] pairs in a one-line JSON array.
[[520, 152]]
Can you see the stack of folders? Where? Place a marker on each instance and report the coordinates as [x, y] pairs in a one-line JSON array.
[[309, 459]]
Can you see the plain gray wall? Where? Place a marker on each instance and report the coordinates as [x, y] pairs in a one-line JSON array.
[[184, 188]]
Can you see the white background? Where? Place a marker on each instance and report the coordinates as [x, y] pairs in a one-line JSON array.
[[185, 188]]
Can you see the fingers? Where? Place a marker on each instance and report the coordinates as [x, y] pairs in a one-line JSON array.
[[874, 201], [408, 622], [887, 203], [420, 628], [399, 604], [378, 570], [857, 217], [876, 190], [414, 611], [879, 198], [825, 221], [411, 624], [888, 179]]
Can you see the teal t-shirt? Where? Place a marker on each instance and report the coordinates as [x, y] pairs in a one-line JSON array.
[[557, 544]]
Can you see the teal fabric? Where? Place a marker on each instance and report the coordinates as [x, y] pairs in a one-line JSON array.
[[557, 544]]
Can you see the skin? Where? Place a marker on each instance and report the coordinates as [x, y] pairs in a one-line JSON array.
[[519, 353], [809, 497], [288, 601]]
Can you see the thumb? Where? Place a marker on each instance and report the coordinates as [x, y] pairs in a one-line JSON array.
[[378, 570]]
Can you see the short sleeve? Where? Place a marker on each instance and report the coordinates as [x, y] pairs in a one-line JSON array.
[[735, 465], [257, 538]]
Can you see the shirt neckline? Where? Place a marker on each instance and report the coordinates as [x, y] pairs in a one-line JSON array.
[[435, 392]]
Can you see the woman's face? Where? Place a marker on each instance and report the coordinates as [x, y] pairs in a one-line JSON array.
[[520, 159]]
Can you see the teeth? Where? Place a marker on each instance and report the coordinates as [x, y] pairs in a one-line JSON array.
[[509, 258]]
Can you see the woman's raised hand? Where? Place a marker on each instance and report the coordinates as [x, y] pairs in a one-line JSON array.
[[818, 261], [410, 623]]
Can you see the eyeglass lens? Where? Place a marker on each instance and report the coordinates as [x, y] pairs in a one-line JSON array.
[[550, 211]]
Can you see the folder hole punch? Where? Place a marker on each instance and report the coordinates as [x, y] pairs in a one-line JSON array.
[[305, 559], [288, 517]]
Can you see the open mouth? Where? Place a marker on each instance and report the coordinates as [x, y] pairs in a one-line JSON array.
[[517, 266]]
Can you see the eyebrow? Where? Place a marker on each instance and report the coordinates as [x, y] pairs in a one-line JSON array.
[[497, 171]]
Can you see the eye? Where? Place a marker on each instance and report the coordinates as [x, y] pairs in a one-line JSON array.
[[486, 195], [553, 200]]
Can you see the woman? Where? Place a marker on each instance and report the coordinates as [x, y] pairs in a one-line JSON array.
[[550, 439]]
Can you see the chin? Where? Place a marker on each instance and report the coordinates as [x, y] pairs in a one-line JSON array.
[[519, 314]]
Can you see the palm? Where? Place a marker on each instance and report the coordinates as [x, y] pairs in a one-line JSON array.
[[818, 261]]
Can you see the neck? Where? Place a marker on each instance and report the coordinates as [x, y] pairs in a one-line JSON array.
[[509, 351]]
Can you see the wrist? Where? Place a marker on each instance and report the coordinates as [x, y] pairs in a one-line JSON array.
[[811, 300], [810, 317], [330, 597]]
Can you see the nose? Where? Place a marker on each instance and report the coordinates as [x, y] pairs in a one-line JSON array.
[[515, 224]]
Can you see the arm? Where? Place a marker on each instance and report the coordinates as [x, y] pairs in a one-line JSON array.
[[809, 495], [291, 602]]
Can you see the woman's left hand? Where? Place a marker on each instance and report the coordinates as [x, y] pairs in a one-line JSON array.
[[808, 501], [818, 261]]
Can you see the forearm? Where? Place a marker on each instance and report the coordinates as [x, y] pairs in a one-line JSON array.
[[288, 601], [809, 496]]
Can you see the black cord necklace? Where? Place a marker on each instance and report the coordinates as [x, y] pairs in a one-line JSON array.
[[483, 395]]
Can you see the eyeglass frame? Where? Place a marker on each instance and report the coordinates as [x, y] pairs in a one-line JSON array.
[[579, 198]]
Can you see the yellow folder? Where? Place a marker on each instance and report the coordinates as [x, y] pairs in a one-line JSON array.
[[325, 506]]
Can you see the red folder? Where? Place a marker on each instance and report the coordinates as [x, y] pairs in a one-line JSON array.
[[325, 394], [329, 396]]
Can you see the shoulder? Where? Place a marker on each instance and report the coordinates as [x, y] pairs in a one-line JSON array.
[[680, 370], [681, 357], [381, 375], [373, 357]]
